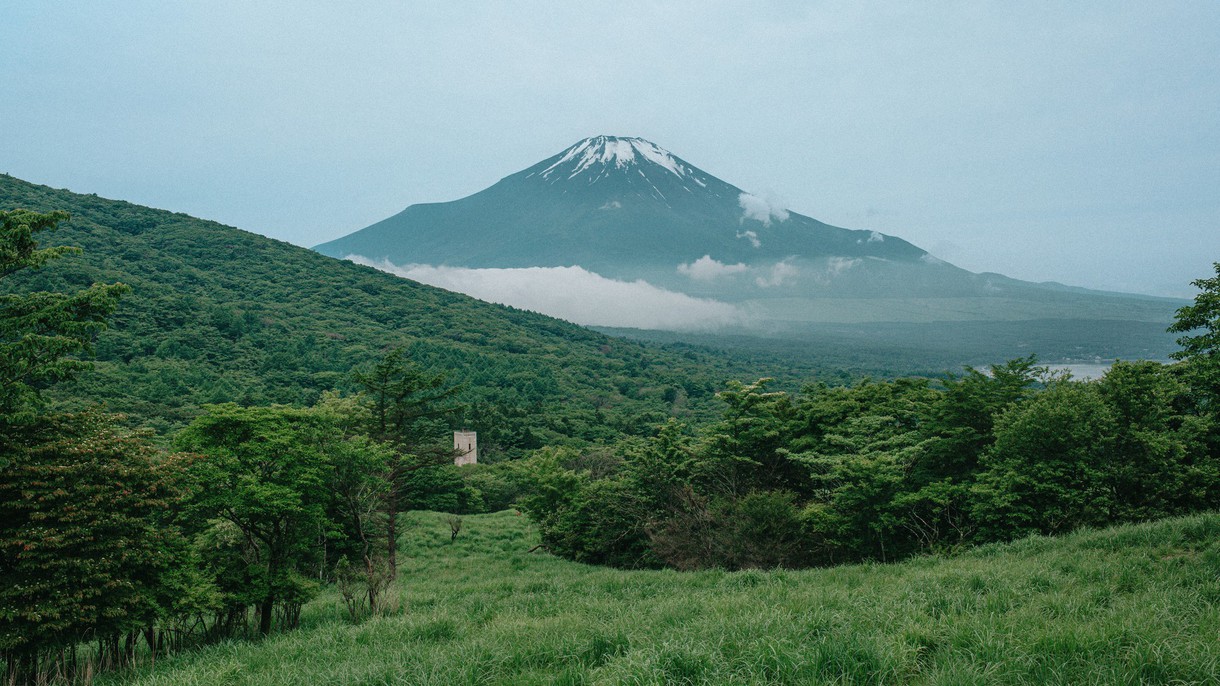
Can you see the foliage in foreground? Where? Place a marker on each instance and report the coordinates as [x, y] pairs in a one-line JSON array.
[[41, 332], [86, 545], [1132, 604], [111, 545], [885, 470]]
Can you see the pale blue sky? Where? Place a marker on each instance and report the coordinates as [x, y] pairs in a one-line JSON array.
[[1076, 142]]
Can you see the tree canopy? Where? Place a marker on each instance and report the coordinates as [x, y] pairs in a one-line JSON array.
[[42, 332]]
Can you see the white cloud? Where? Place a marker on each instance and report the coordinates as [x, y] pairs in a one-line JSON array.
[[574, 294], [874, 237], [707, 269], [834, 267], [838, 265], [780, 272], [761, 209], [611, 205], [752, 236]]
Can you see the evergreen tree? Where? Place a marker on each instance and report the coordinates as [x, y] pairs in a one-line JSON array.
[[1049, 469], [1200, 322], [41, 333], [404, 406]]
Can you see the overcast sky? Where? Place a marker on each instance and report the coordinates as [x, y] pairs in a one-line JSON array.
[[1075, 142]]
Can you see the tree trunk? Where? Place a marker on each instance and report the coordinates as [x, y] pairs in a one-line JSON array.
[[391, 532], [264, 615], [368, 582]]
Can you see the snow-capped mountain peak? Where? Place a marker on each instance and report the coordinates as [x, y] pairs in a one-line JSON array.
[[597, 156], [614, 203]]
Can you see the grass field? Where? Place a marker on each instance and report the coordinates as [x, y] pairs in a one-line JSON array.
[[1129, 605]]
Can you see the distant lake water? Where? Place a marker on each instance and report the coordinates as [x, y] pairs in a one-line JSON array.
[[1087, 370]]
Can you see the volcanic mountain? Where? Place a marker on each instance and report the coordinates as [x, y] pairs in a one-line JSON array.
[[627, 210], [608, 204]]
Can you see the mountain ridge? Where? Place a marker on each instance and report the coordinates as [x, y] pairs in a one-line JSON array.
[[220, 314], [577, 222], [629, 210]]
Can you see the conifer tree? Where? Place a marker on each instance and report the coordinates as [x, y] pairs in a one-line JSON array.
[[41, 333], [404, 402]]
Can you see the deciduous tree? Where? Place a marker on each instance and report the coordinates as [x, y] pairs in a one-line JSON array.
[[264, 471], [1048, 470]]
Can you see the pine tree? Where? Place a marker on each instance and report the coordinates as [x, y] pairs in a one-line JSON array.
[[42, 334]]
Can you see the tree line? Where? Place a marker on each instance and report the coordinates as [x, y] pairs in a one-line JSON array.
[[882, 470]]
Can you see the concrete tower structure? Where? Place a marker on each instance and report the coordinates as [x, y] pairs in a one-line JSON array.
[[466, 447]]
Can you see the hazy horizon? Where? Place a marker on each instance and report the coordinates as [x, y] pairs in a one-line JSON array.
[[1072, 144]]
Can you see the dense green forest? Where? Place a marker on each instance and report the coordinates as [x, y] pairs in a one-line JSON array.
[[217, 314], [242, 354], [282, 412], [884, 470]]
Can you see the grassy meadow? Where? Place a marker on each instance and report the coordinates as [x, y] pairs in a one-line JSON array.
[[1128, 605]]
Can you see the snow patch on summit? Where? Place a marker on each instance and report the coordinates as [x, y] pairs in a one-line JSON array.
[[608, 151], [658, 156]]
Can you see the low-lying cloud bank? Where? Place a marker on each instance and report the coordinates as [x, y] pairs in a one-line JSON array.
[[575, 294]]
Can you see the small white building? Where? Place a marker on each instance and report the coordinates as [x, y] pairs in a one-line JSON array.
[[465, 447]]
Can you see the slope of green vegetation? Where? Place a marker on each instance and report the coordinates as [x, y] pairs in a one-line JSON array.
[[1127, 605], [216, 314]]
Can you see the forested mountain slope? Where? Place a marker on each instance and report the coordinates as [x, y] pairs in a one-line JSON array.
[[218, 314]]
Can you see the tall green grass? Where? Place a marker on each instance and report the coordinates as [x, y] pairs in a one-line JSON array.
[[1128, 605]]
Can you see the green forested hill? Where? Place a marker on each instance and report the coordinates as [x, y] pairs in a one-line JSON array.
[[218, 314]]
